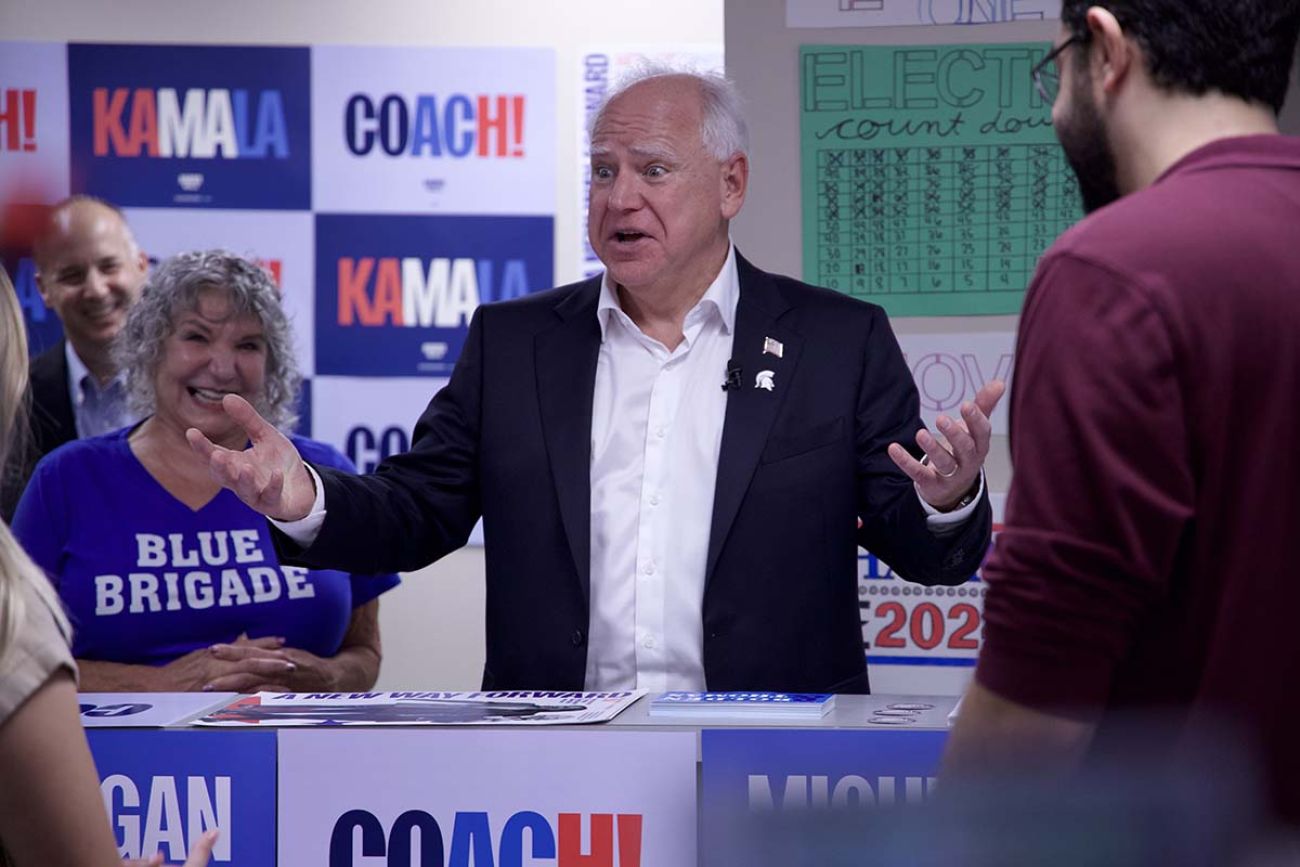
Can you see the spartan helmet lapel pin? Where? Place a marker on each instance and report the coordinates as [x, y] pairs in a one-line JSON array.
[[765, 381]]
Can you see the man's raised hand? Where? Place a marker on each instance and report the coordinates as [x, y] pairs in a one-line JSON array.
[[951, 470], [269, 475]]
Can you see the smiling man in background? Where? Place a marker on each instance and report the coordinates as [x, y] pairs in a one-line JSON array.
[[90, 271]]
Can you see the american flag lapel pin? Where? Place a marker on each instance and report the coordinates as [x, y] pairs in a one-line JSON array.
[[772, 346]]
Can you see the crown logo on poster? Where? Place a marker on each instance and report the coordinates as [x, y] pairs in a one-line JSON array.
[[190, 181]]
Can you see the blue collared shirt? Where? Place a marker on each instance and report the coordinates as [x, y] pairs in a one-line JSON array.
[[97, 409]]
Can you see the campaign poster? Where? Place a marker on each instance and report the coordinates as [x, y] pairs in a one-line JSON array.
[[434, 130], [461, 797], [369, 419], [164, 789], [44, 329], [281, 242], [33, 168], [192, 126], [33, 123], [396, 293], [793, 797], [918, 639]]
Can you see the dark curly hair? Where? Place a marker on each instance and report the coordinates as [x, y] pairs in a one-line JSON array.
[[1244, 48]]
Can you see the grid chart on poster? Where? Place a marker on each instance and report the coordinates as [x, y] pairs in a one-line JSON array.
[[910, 222]]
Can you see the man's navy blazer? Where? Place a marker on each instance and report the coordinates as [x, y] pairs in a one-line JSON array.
[[510, 438]]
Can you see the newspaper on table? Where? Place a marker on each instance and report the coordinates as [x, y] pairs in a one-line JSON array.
[[494, 708]]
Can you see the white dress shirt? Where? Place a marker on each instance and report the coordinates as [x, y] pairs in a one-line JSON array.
[[656, 430], [656, 427]]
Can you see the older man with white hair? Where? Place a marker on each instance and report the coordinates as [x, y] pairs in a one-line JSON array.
[[670, 460]]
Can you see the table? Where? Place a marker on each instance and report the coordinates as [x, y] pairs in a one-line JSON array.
[[621, 794]]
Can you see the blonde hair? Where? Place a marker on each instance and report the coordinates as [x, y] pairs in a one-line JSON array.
[[15, 566]]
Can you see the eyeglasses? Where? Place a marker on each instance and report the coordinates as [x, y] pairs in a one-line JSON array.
[[1046, 73]]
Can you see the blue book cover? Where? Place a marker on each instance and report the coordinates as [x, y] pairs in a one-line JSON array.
[[794, 703]]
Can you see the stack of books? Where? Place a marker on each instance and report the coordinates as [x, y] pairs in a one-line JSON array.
[[743, 705]]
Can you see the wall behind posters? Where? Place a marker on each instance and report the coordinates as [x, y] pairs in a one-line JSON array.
[[392, 163]]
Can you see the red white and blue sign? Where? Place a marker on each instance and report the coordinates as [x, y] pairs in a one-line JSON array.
[[33, 122], [395, 294], [434, 130], [163, 789], [921, 640], [461, 797], [191, 126], [370, 419]]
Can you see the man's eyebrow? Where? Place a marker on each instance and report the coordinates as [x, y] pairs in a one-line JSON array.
[[654, 152], [643, 151]]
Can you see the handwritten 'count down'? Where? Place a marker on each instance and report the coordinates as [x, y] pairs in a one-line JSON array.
[[932, 180]]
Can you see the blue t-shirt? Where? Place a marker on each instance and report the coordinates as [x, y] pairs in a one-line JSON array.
[[145, 579]]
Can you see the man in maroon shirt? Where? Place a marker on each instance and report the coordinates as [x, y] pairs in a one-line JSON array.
[[1148, 562]]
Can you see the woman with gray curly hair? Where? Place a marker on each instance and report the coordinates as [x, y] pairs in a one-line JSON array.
[[172, 582]]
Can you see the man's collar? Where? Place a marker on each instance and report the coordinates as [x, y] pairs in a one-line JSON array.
[[722, 295], [77, 373], [1237, 151]]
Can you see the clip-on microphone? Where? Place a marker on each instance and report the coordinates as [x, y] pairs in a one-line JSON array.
[[733, 376]]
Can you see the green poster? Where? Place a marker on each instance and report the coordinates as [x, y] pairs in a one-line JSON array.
[[932, 180]]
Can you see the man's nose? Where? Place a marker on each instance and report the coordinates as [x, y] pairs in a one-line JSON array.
[[625, 193], [97, 283]]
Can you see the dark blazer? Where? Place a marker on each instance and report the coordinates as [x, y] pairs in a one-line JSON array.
[[50, 420], [510, 438]]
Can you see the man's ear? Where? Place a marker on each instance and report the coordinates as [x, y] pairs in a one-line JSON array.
[[40, 285], [1113, 53], [735, 183]]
